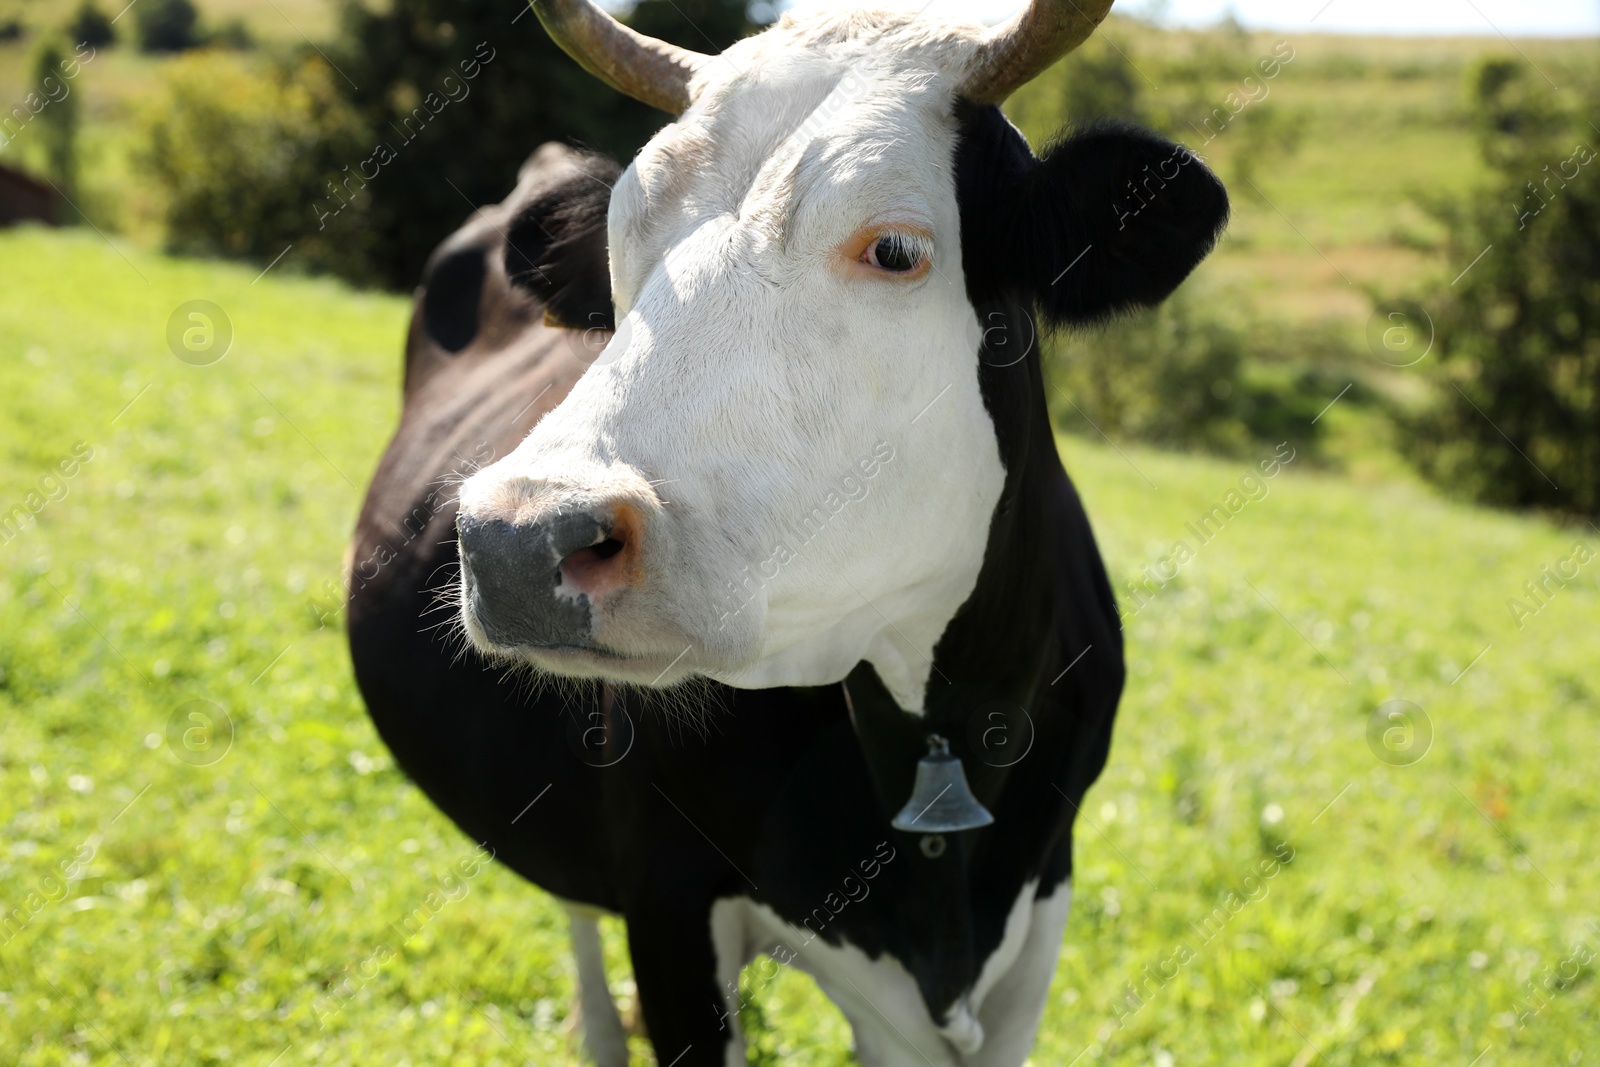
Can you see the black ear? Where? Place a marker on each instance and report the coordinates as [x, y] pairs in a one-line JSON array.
[[1112, 218], [556, 245]]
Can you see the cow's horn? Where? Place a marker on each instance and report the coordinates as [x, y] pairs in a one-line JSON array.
[[1015, 53], [651, 71]]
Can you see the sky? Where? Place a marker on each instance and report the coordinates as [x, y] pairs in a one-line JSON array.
[[1512, 18]]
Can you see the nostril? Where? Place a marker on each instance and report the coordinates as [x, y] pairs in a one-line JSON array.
[[595, 569], [608, 548]]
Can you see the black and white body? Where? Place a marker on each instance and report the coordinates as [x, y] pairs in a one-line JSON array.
[[802, 512]]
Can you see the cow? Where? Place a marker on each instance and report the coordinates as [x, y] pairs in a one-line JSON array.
[[725, 496]]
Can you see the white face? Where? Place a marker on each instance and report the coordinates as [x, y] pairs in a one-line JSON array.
[[784, 447]]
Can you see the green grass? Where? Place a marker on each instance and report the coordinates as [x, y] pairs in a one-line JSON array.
[[190, 558]]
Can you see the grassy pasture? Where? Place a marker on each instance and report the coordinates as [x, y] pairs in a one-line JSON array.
[[276, 893], [296, 901]]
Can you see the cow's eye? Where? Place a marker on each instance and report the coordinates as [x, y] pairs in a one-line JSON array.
[[897, 253]]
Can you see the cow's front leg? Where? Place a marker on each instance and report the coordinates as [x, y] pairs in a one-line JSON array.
[[604, 1038], [686, 960], [1015, 1005]]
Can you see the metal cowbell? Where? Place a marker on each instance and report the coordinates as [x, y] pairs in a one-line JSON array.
[[941, 801]]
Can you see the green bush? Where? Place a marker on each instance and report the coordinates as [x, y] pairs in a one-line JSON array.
[[244, 150], [1198, 372], [1517, 416], [1167, 376], [233, 33]]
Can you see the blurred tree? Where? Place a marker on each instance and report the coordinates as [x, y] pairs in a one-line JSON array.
[[1517, 421], [90, 26], [460, 92], [58, 121], [167, 25]]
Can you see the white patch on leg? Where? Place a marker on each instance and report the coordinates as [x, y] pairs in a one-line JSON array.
[[1019, 923], [730, 940], [992, 1025], [964, 1028], [878, 997], [1014, 1002], [603, 1035]]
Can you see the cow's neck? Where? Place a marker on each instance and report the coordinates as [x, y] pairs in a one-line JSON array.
[[996, 657], [996, 653]]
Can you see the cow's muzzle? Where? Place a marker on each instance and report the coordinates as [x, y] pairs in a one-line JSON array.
[[532, 582]]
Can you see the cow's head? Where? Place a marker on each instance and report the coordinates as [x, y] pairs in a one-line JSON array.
[[783, 463]]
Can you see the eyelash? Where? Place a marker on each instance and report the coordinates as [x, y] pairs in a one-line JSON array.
[[915, 246]]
